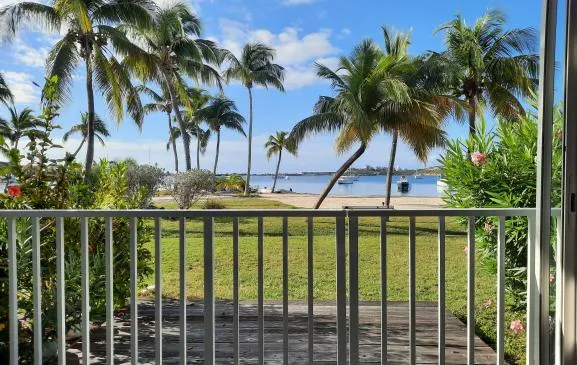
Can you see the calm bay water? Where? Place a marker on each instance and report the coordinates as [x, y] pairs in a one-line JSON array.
[[365, 186]]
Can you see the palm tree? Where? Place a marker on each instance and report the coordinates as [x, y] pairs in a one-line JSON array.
[[18, 125], [6, 96], [161, 103], [275, 145], [255, 67], [202, 137], [174, 50], [418, 120], [100, 131], [90, 37], [357, 109], [490, 66], [221, 112]]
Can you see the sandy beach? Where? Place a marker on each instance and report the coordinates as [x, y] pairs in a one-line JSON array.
[[336, 202]]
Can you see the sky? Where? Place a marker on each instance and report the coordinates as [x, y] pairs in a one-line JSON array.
[[302, 32]]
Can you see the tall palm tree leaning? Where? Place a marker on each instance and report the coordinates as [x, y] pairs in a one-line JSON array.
[[490, 66], [100, 131], [418, 120], [220, 113], [275, 145], [92, 37], [161, 103], [175, 50], [357, 108], [254, 67]]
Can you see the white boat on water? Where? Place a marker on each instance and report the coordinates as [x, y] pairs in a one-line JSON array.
[[345, 180]]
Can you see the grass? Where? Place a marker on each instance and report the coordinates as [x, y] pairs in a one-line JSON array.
[[324, 264]]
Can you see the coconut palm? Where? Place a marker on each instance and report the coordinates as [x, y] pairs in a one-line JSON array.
[[174, 51], [100, 131], [18, 125], [275, 145], [418, 120], [6, 96], [90, 37], [490, 66], [357, 108], [161, 103], [202, 137], [254, 67], [220, 113]]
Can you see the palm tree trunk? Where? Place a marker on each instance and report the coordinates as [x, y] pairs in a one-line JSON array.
[[173, 143], [348, 163], [79, 148], [391, 168], [217, 150], [276, 173], [181, 125], [198, 150], [91, 115], [472, 116], [247, 187]]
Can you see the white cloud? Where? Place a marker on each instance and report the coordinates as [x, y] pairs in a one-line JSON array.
[[294, 51], [297, 2], [29, 56], [20, 83]]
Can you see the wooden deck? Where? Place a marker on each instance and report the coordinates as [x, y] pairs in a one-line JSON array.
[[324, 335]]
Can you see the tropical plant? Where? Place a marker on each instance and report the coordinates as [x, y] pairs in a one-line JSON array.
[[145, 179], [188, 187], [174, 50], [6, 96], [417, 120], [18, 125], [91, 36], [232, 182], [221, 112], [489, 66], [254, 67], [275, 145], [161, 103], [362, 85], [202, 137], [100, 131]]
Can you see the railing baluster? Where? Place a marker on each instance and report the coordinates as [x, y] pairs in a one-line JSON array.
[[310, 288], [235, 317], [182, 272], [109, 262], [532, 346], [158, 290], [341, 291], [209, 323], [60, 289], [85, 290], [501, 292], [383, 242], [412, 295], [441, 290], [471, 292], [133, 291], [13, 290], [559, 254], [260, 292], [285, 338], [353, 289], [37, 291]]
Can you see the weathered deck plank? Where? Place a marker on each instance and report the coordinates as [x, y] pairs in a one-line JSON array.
[[324, 335]]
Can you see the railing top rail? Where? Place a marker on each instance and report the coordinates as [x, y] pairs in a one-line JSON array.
[[356, 211]]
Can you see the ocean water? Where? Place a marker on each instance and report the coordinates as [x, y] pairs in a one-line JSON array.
[[425, 186]]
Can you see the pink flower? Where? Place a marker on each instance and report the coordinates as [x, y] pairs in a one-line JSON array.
[[466, 250], [478, 158], [517, 327]]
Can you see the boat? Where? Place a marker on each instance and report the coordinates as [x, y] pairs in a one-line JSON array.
[[418, 177], [403, 185], [345, 180], [287, 177]]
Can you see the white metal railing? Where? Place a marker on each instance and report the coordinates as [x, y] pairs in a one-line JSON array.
[[347, 346]]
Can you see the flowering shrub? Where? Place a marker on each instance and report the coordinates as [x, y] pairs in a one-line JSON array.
[[501, 172]]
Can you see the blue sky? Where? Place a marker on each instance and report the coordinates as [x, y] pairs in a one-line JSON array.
[[303, 31]]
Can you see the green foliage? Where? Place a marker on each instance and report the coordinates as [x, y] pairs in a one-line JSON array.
[[190, 186], [232, 182], [505, 178], [213, 204], [145, 179]]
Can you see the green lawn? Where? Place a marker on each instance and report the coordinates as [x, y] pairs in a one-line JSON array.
[[324, 264]]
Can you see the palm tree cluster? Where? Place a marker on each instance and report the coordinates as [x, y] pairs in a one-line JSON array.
[[484, 67], [143, 58]]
